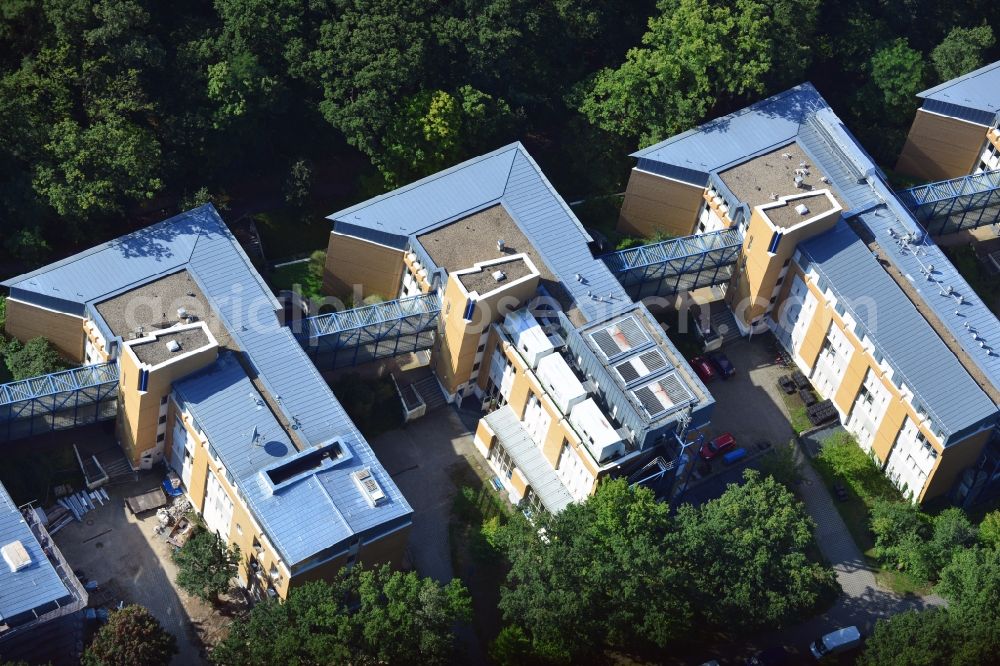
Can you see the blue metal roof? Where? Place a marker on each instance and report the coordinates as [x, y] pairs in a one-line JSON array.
[[509, 177], [899, 331], [36, 586], [725, 141], [200, 242], [978, 90], [319, 510]]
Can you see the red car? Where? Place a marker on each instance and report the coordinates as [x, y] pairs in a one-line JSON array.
[[718, 446], [703, 368]]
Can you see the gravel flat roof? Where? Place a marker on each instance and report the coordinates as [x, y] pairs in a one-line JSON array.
[[766, 177], [155, 351], [154, 306], [482, 281], [786, 216], [472, 239]]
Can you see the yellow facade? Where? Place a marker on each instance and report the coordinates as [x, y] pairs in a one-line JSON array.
[[142, 414], [64, 331], [356, 264], [951, 461], [457, 345], [940, 147], [656, 204]]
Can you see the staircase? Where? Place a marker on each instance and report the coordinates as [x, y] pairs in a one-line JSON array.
[[724, 323], [431, 393], [115, 463]]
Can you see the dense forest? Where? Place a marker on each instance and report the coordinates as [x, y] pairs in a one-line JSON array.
[[117, 113]]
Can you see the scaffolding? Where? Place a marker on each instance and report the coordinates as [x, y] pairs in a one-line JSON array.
[[678, 264], [364, 334], [59, 400], [953, 205]]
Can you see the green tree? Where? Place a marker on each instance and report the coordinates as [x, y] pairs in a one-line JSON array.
[[35, 357], [369, 55], [898, 73], [967, 631], [601, 573], [696, 54], [206, 566], [962, 51], [363, 616], [746, 555], [132, 637], [989, 529], [298, 184], [913, 638], [436, 129]]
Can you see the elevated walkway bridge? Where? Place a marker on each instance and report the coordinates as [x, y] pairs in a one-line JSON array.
[[58, 401], [953, 205], [360, 335], [678, 264]]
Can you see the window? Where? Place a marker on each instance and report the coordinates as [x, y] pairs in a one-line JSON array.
[[787, 261], [239, 529], [163, 400], [773, 299], [163, 419], [160, 437], [749, 242], [503, 461], [780, 280], [481, 348]]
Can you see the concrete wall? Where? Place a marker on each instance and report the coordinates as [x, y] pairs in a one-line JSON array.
[[654, 203], [64, 331], [940, 147], [351, 261]]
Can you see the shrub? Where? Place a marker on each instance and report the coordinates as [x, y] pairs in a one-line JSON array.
[[989, 529], [132, 637], [36, 357]]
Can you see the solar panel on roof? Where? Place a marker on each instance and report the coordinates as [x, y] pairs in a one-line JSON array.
[[627, 371], [653, 360], [650, 402], [632, 333], [675, 389], [606, 343]]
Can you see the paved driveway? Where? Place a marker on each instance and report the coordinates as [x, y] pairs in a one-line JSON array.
[[424, 459], [751, 406]]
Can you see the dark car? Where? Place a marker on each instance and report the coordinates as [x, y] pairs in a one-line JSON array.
[[722, 364], [703, 368], [718, 446]]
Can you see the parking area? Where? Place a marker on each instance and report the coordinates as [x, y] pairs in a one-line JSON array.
[[751, 407], [130, 563]]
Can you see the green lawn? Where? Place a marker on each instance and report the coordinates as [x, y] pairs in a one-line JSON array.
[[297, 277], [290, 233], [864, 484], [797, 413]]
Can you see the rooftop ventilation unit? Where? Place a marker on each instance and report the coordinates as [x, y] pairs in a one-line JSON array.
[[802, 209], [182, 313], [799, 180], [173, 346], [16, 556], [368, 486], [501, 245], [499, 276]]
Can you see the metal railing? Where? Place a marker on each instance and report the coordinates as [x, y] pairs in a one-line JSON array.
[[952, 205], [59, 400]]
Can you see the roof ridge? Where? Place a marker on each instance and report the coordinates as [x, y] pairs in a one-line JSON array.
[[423, 181], [959, 79]]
